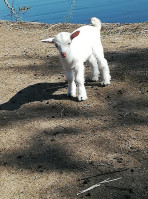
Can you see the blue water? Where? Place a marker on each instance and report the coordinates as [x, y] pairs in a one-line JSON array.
[[78, 11]]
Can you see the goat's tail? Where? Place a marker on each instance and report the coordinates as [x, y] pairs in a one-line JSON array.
[[96, 22]]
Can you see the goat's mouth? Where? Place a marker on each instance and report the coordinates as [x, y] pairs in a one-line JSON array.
[[63, 54]]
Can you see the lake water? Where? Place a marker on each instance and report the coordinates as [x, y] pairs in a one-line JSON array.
[[78, 11]]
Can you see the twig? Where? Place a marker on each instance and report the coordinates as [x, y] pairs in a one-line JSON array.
[[12, 9], [119, 188], [105, 173], [62, 112], [97, 185]]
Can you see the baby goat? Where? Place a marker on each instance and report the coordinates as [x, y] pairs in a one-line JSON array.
[[75, 49]]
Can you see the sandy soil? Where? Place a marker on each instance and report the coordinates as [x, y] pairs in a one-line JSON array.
[[52, 146]]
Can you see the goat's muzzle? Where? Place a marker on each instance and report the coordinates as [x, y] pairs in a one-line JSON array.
[[63, 54]]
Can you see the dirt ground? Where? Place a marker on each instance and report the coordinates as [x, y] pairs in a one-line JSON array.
[[52, 146]]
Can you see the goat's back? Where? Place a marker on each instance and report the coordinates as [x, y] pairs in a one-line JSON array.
[[83, 45], [88, 33]]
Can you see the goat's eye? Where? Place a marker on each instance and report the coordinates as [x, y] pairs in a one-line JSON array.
[[69, 43]]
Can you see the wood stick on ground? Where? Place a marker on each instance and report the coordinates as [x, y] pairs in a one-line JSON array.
[[105, 173], [62, 112], [97, 185]]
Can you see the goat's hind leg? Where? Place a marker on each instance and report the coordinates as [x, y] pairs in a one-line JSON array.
[[95, 71], [103, 65], [105, 71]]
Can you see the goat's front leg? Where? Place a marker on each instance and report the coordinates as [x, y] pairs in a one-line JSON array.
[[79, 70], [71, 83]]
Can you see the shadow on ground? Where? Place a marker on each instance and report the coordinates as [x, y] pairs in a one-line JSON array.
[[32, 93], [131, 64], [43, 154]]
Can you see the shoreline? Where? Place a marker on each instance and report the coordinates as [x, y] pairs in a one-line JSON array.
[[107, 28], [41, 23]]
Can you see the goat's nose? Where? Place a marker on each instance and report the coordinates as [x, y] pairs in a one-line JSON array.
[[63, 54]]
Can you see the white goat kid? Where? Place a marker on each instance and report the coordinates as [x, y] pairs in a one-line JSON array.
[[75, 49]]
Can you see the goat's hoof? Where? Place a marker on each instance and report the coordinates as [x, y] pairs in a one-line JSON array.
[[105, 83], [82, 98], [94, 79], [71, 94]]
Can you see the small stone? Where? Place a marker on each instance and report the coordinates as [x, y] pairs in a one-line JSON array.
[[5, 164], [131, 190], [41, 170], [85, 182], [91, 162], [108, 96], [127, 196], [19, 156], [132, 170], [88, 194], [120, 160]]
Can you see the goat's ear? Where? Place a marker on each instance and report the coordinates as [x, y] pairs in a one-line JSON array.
[[49, 40], [75, 34]]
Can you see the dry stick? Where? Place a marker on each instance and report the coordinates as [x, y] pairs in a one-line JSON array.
[[119, 188], [97, 185], [62, 112], [11, 9], [109, 172]]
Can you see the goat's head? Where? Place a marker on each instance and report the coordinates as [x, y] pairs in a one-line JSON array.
[[62, 42]]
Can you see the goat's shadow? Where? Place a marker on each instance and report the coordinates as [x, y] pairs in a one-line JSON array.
[[32, 93], [40, 92]]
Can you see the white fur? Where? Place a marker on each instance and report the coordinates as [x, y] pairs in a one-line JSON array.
[[74, 50]]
